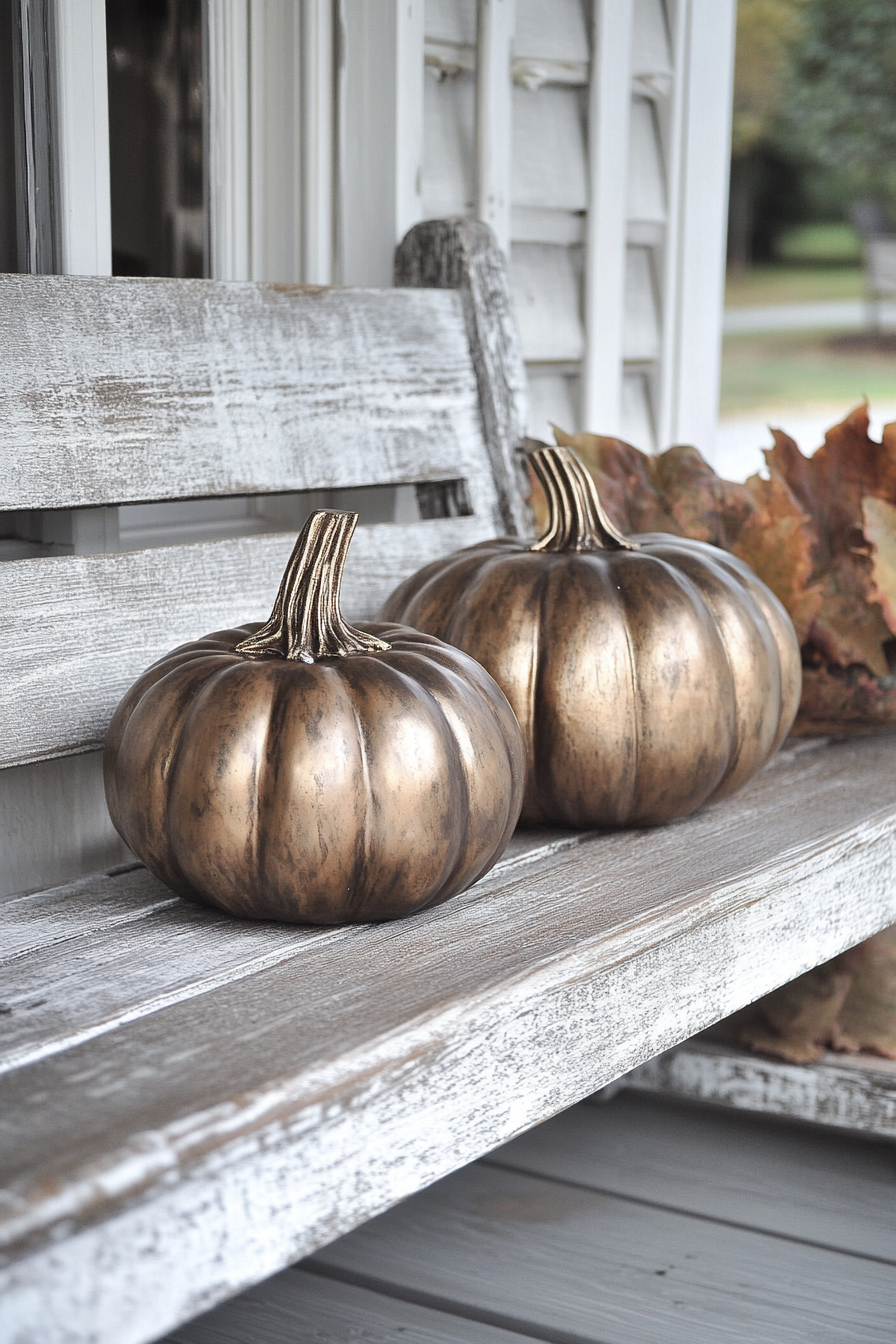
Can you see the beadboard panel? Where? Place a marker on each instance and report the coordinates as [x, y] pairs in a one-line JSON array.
[[552, 32], [208, 1139], [82, 628], [119, 390], [549, 159], [448, 145], [546, 282], [651, 56]]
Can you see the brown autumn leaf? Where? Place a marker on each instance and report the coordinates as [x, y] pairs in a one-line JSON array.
[[777, 541], [879, 527], [829, 486], [867, 1019], [625, 480], [821, 532], [849, 626], [798, 1020], [835, 698], [702, 504]]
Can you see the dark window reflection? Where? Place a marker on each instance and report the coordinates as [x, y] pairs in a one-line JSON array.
[[156, 136], [8, 238]]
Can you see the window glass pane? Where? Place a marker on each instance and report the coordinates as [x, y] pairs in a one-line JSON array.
[[156, 136], [8, 243]]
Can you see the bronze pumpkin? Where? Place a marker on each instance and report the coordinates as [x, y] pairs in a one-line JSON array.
[[309, 771], [649, 675]]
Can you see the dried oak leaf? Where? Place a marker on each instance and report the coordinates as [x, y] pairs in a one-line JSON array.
[[835, 698], [879, 527], [849, 626], [798, 1020], [777, 541], [830, 485], [703, 505], [867, 1019], [626, 481]]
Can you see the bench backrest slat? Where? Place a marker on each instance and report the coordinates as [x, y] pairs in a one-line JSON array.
[[122, 391], [130, 390], [80, 629]]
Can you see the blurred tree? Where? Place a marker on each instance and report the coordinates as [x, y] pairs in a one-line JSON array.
[[839, 104], [767, 32]]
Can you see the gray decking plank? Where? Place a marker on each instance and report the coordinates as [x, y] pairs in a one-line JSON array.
[[573, 1264], [788, 1180], [295, 1307]]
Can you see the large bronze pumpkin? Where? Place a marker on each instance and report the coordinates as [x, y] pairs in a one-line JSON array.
[[649, 675], [310, 771]]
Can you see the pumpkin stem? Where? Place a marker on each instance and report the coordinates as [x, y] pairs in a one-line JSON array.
[[576, 517], [306, 623]]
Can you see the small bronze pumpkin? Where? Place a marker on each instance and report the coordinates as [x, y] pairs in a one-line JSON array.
[[314, 772], [649, 675]]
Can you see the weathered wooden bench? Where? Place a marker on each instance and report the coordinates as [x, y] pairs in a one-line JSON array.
[[187, 1102]]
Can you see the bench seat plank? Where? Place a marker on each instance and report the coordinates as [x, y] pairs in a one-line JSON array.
[[130, 390], [78, 630], [206, 1143]]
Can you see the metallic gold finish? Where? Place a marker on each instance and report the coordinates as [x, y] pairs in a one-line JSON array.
[[576, 518], [649, 675], [306, 622], [309, 771]]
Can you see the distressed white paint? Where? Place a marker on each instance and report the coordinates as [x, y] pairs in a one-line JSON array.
[[120, 390], [299, 1105], [850, 1092], [85, 212], [784, 1188]]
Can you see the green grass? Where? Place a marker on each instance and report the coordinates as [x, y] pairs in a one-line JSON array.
[[824, 243], [793, 284], [801, 370]]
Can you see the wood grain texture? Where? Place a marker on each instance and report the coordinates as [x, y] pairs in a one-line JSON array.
[[118, 390], [565, 1263], [462, 254], [790, 1181], [297, 1307], [80, 629], [209, 1142], [855, 1092], [148, 949]]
